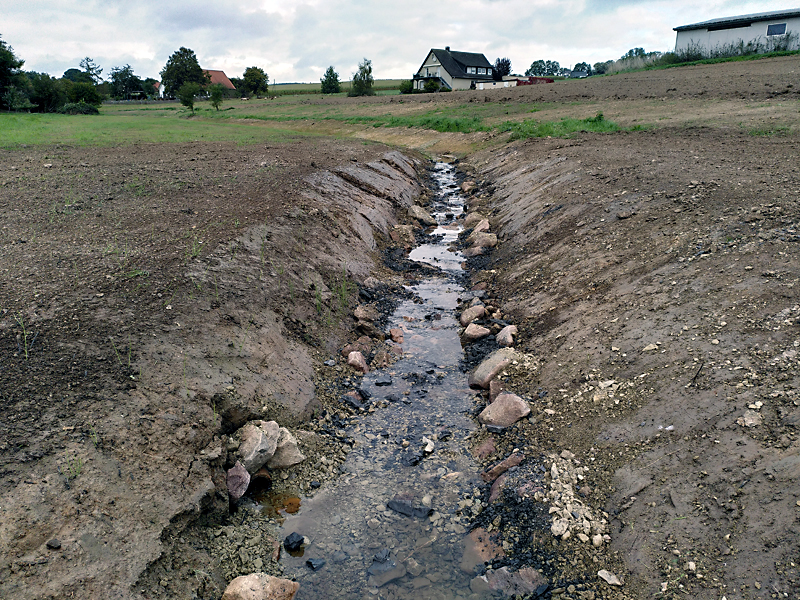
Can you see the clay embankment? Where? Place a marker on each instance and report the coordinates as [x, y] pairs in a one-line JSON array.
[[652, 277], [111, 478]]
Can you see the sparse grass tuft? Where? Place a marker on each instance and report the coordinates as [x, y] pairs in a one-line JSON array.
[[561, 129]]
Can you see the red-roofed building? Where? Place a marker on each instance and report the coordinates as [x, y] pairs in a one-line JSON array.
[[221, 78]]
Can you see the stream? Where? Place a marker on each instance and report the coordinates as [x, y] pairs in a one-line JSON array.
[[395, 523]]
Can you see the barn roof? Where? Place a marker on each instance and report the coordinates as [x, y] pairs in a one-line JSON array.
[[219, 77], [742, 20]]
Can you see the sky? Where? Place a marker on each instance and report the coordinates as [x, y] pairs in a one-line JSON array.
[[297, 41]]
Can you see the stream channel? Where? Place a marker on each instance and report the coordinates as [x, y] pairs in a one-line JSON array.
[[395, 524]]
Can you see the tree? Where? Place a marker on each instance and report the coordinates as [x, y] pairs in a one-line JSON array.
[[46, 92], [537, 69], [124, 83], [601, 67], [182, 67], [431, 86], [10, 67], [84, 92], [91, 69], [633, 53], [216, 93], [362, 80], [77, 76], [583, 66], [406, 86], [551, 67], [255, 81], [187, 92], [502, 67], [330, 82], [15, 100]]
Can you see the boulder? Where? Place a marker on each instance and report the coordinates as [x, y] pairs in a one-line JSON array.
[[490, 367], [496, 388], [365, 312], [506, 410], [421, 215], [482, 240], [472, 313], [475, 332], [526, 582], [403, 234], [286, 452], [473, 219], [356, 360], [505, 337], [397, 335], [482, 226], [260, 586], [470, 252], [237, 480], [259, 440]]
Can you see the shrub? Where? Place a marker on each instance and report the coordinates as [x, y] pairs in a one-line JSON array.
[[79, 108], [406, 86]]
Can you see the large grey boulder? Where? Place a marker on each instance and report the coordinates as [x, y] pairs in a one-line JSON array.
[[286, 453], [259, 440], [421, 215], [260, 586]]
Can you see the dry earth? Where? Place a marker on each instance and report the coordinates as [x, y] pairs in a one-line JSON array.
[[154, 297]]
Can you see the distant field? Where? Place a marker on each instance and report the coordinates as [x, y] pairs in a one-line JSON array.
[[282, 89]]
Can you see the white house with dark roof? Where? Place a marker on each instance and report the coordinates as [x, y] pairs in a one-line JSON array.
[[765, 29], [453, 70]]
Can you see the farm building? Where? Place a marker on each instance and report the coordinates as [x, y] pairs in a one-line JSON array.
[[765, 31], [219, 77], [453, 70]]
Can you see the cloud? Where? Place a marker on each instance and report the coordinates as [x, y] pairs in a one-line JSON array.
[[297, 41]]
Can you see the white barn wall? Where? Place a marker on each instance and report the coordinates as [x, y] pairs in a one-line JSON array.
[[712, 39]]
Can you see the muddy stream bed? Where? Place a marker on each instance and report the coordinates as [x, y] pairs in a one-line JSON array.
[[394, 525]]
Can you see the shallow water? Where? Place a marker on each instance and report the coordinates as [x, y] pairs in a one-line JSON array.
[[351, 521]]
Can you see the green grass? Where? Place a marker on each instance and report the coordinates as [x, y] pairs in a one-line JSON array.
[[563, 128], [113, 128]]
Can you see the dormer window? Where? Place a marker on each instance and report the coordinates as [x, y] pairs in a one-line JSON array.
[[471, 70], [481, 71], [488, 71]]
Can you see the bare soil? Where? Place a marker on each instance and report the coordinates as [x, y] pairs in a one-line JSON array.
[[154, 297]]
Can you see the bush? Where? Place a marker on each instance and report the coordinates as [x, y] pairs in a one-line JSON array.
[[432, 86], [84, 92], [79, 108], [406, 86]]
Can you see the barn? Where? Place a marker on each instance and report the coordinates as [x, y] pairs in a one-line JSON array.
[[761, 32]]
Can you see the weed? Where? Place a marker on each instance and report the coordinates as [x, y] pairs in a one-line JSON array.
[[563, 128], [119, 356], [72, 468], [343, 290], [93, 435], [194, 248], [21, 322]]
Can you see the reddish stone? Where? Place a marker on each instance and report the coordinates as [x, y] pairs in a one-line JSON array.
[[497, 487], [237, 480], [479, 548], [397, 335], [496, 387], [504, 465], [357, 361], [487, 448]]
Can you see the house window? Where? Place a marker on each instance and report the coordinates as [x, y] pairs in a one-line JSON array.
[[777, 29], [471, 70], [481, 71], [488, 71]]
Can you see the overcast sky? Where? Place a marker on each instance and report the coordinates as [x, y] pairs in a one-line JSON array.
[[296, 41]]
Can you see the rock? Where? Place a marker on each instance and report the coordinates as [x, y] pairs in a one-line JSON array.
[[496, 388], [414, 567], [490, 367], [384, 569], [404, 507], [260, 586], [749, 419], [526, 582], [482, 240], [421, 215], [479, 548], [364, 312], [237, 480], [559, 527], [497, 488], [383, 379], [362, 345], [475, 332], [650, 348], [429, 445], [466, 187], [54, 544], [625, 214], [356, 360], [487, 448], [609, 577], [397, 335], [259, 440], [286, 452], [597, 540], [473, 219], [504, 465], [403, 234], [293, 542], [315, 563], [470, 252], [481, 227], [505, 337], [506, 410], [472, 313]]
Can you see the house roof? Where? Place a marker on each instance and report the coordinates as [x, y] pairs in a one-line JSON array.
[[742, 20], [456, 63], [219, 77]]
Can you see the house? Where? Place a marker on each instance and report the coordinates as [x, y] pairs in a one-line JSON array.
[[578, 74], [453, 70], [490, 85], [760, 29], [219, 77]]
